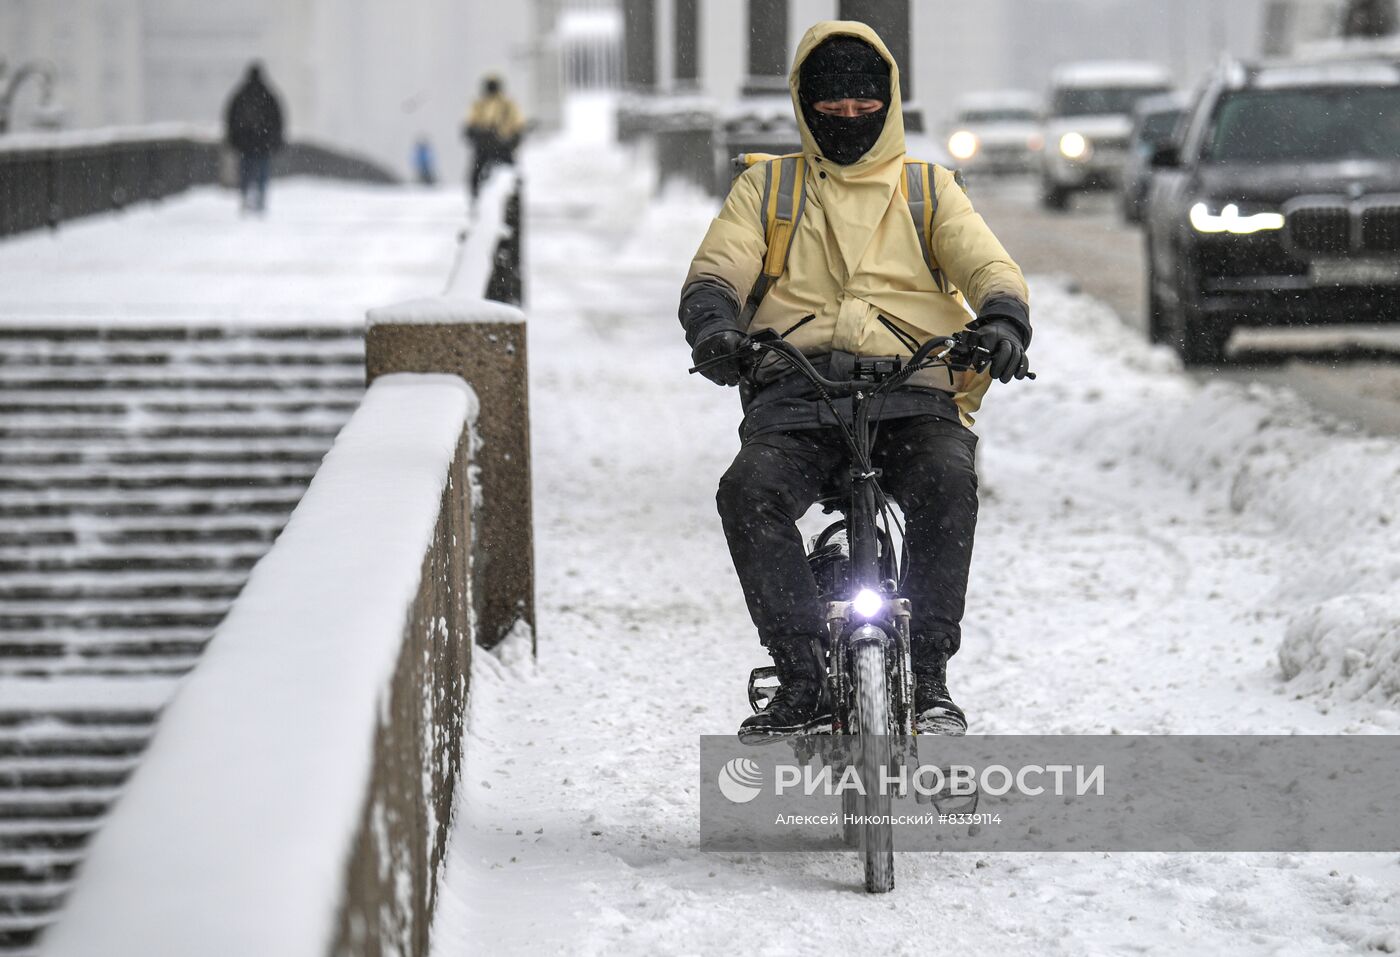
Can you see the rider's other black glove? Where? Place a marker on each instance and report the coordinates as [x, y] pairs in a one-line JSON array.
[[1002, 338], [725, 343]]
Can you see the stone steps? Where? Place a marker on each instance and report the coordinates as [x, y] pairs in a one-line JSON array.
[[143, 472]]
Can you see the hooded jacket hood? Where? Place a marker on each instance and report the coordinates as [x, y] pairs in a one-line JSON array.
[[855, 267], [857, 195]]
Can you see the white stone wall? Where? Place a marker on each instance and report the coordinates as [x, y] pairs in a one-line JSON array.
[[366, 74]]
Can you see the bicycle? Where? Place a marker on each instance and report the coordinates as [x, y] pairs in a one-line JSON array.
[[869, 671]]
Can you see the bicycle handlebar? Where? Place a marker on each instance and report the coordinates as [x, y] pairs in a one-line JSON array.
[[960, 351]]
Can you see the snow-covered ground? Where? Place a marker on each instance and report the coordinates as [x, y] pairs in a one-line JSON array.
[[324, 253], [1148, 548]]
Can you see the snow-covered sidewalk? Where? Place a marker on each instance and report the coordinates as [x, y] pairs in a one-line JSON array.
[[1147, 548], [324, 253]]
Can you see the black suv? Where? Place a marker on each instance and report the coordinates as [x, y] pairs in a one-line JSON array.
[[1280, 206]]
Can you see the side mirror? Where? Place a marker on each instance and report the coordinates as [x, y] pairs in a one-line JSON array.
[[1166, 156]]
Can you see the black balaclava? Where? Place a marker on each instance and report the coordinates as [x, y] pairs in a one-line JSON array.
[[492, 86], [840, 68]]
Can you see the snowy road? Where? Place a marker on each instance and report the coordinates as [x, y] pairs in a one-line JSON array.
[[1147, 546]]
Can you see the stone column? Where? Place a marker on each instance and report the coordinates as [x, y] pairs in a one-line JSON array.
[[484, 343], [686, 19], [639, 45], [768, 54], [890, 19]]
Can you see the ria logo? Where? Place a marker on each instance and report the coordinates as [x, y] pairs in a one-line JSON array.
[[740, 780]]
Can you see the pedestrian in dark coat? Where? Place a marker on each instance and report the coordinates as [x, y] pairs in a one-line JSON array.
[[253, 128]]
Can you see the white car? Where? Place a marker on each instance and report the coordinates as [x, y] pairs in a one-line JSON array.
[[997, 132], [1087, 126]]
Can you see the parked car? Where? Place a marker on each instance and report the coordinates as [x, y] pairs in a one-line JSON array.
[[1087, 126], [1280, 206], [1154, 123], [996, 132]]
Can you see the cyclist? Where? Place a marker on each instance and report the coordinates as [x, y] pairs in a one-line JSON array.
[[855, 263], [492, 129]]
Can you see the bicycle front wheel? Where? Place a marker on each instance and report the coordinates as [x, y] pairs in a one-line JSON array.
[[874, 761]]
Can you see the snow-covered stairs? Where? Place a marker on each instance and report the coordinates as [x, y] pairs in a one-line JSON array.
[[143, 471]]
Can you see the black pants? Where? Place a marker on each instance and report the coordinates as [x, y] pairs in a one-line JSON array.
[[485, 159], [929, 469]]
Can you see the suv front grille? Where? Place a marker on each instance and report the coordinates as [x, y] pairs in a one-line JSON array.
[[1324, 230], [1245, 257], [1380, 229]]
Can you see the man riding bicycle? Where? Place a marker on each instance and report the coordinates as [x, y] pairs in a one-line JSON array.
[[857, 282]]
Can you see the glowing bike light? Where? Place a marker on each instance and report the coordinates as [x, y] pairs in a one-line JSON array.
[[867, 603]]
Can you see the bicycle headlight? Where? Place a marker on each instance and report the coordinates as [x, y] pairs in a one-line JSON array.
[[1231, 220], [963, 145], [867, 603], [1074, 146]]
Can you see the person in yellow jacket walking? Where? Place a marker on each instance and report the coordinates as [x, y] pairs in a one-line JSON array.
[[857, 263], [492, 129]]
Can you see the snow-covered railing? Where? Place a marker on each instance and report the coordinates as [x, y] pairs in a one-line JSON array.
[[296, 797], [474, 330], [49, 178], [488, 261]]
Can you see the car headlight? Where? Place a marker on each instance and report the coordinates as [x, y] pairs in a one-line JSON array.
[[963, 145], [1074, 146], [1231, 220]]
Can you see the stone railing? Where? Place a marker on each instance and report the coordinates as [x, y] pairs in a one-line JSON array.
[[50, 178], [470, 331], [297, 794]]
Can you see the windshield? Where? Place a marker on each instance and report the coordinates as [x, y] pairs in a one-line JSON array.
[[998, 116], [1101, 101], [1312, 124], [1157, 128]]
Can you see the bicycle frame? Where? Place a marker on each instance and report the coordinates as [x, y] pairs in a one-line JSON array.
[[859, 619]]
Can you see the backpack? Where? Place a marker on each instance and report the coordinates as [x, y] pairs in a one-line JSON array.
[[785, 199]]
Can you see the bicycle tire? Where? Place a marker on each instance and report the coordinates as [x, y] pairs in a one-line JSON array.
[[874, 758], [850, 809]]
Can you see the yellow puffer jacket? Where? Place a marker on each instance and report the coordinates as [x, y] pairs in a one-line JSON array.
[[496, 114], [856, 254]]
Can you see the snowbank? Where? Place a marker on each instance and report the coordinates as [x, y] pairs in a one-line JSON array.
[[1253, 452], [247, 825]]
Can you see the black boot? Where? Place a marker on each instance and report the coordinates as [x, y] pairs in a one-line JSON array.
[[934, 710], [801, 704]]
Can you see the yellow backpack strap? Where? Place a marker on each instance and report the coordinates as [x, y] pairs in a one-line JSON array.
[[920, 192], [740, 163], [784, 200]]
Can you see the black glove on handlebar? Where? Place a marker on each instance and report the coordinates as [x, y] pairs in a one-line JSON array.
[[1002, 338], [725, 343]]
